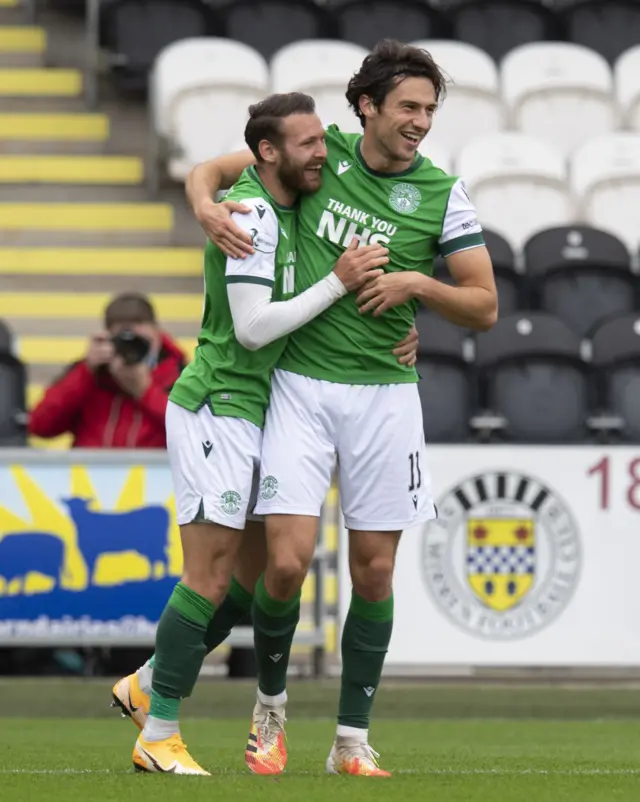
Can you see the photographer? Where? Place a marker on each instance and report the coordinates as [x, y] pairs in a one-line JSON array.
[[116, 396]]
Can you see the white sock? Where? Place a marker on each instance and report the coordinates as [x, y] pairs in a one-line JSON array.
[[352, 732], [145, 677], [272, 701], [157, 729]]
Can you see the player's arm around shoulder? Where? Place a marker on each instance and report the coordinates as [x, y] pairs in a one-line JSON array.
[[473, 302]]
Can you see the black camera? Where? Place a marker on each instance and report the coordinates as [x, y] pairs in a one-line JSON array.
[[131, 347]]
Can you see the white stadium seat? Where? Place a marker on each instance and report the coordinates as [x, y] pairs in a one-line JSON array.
[[437, 154], [321, 68], [626, 75], [200, 90], [472, 106], [605, 177], [559, 92], [517, 183]]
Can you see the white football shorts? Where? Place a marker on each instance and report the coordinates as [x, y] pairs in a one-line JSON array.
[[375, 432], [214, 464]]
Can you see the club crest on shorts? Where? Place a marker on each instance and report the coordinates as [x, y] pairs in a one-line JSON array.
[[503, 558], [405, 198], [268, 488], [230, 502]]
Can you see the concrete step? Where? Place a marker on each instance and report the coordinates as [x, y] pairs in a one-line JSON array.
[[34, 83], [22, 46], [101, 283], [50, 133], [109, 170], [76, 223], [109, 262]]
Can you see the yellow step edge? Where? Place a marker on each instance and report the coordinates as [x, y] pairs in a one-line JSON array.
[[9, 3], [53, 127], [22, 39], [64, 350], [40, 82], [34, 394], [170, 307], [86, 216], [330, 589], [71, 169], [101, 261]]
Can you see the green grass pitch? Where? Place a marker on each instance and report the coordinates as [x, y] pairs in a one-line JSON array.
[[59, 741]]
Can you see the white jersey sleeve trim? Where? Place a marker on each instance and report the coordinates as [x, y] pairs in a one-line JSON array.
[[261, 224], [258, 321], [460, 228]]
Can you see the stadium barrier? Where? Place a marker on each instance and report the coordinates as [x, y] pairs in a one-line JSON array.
[[90, 551], [532, 561]]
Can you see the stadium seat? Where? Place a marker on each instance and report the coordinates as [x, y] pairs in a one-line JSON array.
[[626, 74], [517, 183], [446, 380], [497, 26], [607, 26], [367, 21], [13, 383], [6, 339], [473, 106], [438, 155], [269, 25], [200, 90], [321, 68], [508, 280], [135, 31], [559, 92], [533, 381], [581, 275], [616, 357], [605, 177]]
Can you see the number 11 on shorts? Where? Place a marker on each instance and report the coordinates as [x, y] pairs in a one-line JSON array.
[[416, 476]]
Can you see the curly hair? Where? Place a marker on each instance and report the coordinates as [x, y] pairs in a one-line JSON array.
[[389, 63]]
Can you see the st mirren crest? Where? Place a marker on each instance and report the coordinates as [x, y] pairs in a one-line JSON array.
[[500, 560], [503, 559]]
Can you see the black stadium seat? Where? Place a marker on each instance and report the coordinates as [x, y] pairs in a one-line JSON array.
[[446, 386], [13, 383], [607, 26], [498, 26], [580, 274], [6, 338], [268, 25], [135, 31], [508, 280], [532, 377], [616, 358], [365, 22]]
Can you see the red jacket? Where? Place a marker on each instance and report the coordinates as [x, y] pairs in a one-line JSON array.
[[98, 414]]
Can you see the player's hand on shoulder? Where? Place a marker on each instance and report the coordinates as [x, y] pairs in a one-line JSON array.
[[387, 291], [215, 219], [359, 265]]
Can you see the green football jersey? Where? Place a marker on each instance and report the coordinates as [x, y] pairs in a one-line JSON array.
[[234, 381], [417, 214]]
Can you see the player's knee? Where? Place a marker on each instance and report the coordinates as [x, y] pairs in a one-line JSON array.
[[212, 584], [373, 579], [285, 576]]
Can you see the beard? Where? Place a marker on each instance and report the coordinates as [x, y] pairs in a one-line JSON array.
[[292, 175]]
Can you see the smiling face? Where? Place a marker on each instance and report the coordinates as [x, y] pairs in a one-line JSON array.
[[302, 153], [396, 127]]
